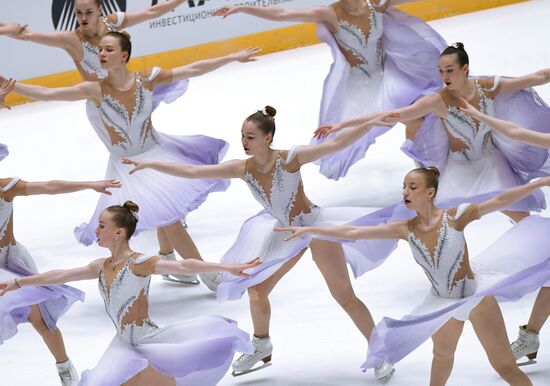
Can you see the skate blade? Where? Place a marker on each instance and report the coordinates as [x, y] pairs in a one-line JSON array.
[[192, 282], [239, 373], [386, 378], [527, 363]]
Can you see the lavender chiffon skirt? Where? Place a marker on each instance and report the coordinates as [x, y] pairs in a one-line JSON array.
[[518, 263], [15, 306], [411, 50], [195, 352], [258, 239]]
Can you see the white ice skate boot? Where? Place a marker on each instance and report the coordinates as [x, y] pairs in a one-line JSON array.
[[212, 280], [262, 353], [184, 279], [527, 344], [67, 373], [383, 372]]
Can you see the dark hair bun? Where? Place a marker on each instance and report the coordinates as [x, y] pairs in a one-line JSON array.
[[458, 45], [131, 206], [434, 170], [270, 110], [127, 35]]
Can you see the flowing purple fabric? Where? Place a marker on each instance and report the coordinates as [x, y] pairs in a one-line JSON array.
[[3, 151], [411, 49], [15, 306], [516, 264], [163, 199], [168, 93], [196, 352]]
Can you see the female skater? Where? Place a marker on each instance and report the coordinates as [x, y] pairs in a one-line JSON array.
[[120, 108], [274, 179], [527, 343], [515, 265], [381, 62], [41, 306], [82, 43], [472, 160], [194, 352]]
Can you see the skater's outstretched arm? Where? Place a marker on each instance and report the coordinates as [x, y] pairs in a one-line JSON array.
[[194, 266], [310, 153], [204, 66], [428, 104], [84, 90], [24, 188], [537, 78], [509, 129], [157, 10], [314, 15], [394, 230], [229, 169], [6, 86], [58, 276], [510, 196]]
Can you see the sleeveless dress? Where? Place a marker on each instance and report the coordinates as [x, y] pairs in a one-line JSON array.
[[516, 264], [123, 123], [383, 60], [474, 159], [15, 261], [195, 352], [281, 193]]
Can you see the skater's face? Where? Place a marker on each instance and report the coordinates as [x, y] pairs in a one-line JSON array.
[[451, 73], [415, 192], [253, 139], [87, 13], [110, 53], [107, 233]]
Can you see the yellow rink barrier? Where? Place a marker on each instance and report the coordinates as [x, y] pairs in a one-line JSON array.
[[269, 41]]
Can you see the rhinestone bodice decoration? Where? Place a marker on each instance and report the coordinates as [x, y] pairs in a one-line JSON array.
[[124, 292], [90, 60], [442, 266], [285, 199], [129, 128], [477, 138], [360, 38]]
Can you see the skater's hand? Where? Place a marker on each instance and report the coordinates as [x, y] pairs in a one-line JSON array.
[[6, 86], [102, 186], [296, 232], [14, 30], [7, 286], [247, 55], [226, 11], [467, 108], [325, 130], [238, 269], [138, 165]]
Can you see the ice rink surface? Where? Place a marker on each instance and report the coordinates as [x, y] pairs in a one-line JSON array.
[[315, 342]]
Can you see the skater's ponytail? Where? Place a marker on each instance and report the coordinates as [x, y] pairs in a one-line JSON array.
[[125, 216], [431, 176], [264, 120], [458, 50], [124, 40]]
